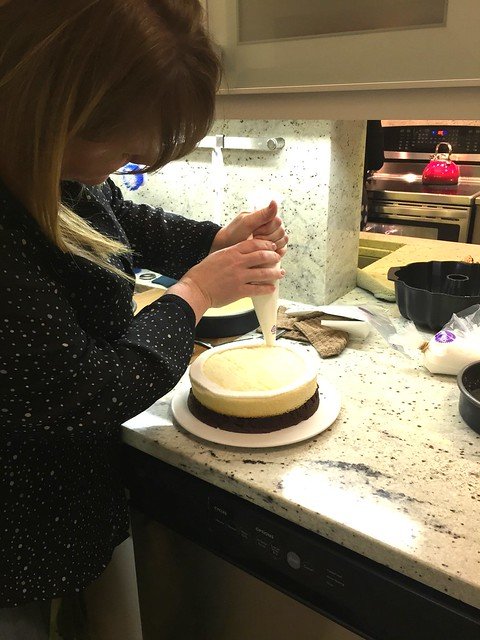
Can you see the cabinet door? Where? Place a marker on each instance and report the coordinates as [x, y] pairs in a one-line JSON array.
[[325, 45]]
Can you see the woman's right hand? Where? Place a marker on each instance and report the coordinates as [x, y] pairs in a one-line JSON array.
[[249, 268]]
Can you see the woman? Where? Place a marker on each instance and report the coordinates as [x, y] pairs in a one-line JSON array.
[[86, 86]]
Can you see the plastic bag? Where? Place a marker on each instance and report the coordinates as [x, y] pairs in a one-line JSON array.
[[456, 345]]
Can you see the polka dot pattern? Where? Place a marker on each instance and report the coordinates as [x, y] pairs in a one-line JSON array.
[[74, 365]]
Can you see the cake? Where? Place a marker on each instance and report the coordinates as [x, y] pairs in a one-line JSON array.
[[250, 387]]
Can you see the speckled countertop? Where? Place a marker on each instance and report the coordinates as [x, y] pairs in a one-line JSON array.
[[395, 478], [411, 250]]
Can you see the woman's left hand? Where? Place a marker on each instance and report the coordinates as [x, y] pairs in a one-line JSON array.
[[263, 224]]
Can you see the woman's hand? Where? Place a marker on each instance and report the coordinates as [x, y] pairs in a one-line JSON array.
[[249, 268], [263, 224]]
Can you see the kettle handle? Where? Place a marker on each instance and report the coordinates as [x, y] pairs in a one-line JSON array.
[[392, 274], [449, 147]]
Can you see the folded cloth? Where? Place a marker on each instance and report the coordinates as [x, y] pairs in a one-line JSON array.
[[328, 342]]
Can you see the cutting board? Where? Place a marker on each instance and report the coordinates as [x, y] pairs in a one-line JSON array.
[[374, 277]]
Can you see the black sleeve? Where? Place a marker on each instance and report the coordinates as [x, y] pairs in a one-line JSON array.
[[54, 377], [161, 241]]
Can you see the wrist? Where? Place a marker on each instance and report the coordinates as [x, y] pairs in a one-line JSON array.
[[220, 240], [193, 295]]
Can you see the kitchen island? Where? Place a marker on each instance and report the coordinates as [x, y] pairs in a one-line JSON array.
[[395, 478]]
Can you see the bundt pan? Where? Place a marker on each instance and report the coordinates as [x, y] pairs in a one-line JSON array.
[[429, 293], [469, 403]]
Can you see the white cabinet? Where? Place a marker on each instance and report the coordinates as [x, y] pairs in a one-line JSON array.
[[344, 45]]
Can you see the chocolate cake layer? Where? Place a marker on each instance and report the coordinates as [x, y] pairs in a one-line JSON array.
[[253, 425]]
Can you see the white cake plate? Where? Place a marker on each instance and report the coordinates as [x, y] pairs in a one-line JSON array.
[[325, 415]]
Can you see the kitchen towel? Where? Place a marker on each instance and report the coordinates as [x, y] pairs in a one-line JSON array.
[[328, 342]]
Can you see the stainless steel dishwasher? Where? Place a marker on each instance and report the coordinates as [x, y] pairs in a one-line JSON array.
[[187, 592], [213, 566]]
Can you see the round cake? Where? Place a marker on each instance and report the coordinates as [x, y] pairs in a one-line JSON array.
[[250, 387]]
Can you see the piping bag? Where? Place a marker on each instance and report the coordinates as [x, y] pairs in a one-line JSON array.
[[266, 306], [266, 309]]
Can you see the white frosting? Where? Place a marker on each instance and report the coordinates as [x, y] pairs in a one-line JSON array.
[[249, 379]]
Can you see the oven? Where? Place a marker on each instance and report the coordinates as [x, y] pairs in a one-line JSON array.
[[400, 204]]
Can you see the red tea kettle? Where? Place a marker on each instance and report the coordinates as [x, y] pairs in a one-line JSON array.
[[440, 169]]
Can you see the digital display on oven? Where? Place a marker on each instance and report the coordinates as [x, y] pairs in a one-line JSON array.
[[426, 138]]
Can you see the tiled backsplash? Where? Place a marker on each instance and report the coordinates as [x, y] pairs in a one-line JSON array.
[[318, 174]]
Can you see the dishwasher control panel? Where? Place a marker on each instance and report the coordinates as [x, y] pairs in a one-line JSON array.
[[271, 545]]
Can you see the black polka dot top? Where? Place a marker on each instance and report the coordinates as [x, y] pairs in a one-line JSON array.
[[74, 365]]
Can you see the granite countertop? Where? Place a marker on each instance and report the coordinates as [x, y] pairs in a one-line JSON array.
[[441, 246], [406, 250], [395, 478]]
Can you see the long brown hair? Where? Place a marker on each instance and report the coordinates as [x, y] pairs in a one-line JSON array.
[[92, 68]]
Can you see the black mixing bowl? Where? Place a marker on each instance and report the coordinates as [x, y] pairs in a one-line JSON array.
[[469, 403], [429, 293]]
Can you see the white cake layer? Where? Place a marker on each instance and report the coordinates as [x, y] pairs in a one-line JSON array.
[[250, 379]]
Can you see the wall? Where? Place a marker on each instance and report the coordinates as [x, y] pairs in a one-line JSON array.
[[319, 177]]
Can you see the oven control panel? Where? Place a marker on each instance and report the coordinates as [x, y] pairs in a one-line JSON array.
[[424, 139]]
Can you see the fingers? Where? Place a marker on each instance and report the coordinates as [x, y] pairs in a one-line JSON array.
[[264, 275], [261, 276], [255, 244], [263, 216], [256, 261], [269, 228], [263, 224], [259, 289], [275, 232], [255, 255], [260, 259], [250, 267], [257, 219], [279, 238]]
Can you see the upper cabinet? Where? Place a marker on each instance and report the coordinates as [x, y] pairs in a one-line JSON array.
[[342, 45]]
